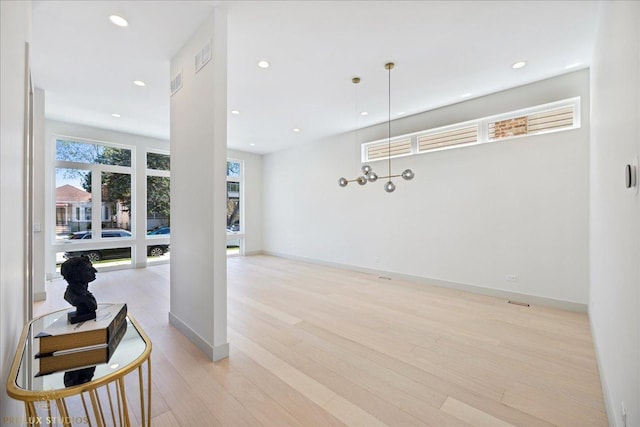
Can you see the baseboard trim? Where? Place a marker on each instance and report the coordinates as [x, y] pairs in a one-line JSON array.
[[220, 352], [608, 403], [498, 293], [214, 353]]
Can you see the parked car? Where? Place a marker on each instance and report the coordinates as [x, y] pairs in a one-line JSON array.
[[159, 231], [158, 250], [107, 232], [111, 253]]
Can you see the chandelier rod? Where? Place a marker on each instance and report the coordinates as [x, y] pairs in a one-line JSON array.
[[368, 174], [355, 82], [389, 66], [380, 177]]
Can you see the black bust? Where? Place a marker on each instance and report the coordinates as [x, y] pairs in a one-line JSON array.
[[78, 272], [79, 376]]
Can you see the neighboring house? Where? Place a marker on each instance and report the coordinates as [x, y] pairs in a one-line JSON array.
[[73, 211]]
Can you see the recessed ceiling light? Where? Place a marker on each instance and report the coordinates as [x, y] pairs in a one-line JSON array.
[[574, 65], [118, 20], [115, 114], [400, 113], [236, 112], [252, 144], [296, 130], [364, 113], [263, 64], [465, 95], [518, 64], [139, 83]]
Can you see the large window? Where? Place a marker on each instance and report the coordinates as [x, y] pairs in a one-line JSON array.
[[158, 206], [553, 117], [73, 202], [116, 201], [92, 153], [235, 229], [93, 201]]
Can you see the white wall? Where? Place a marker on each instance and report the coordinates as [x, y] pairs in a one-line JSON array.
[[39, 168], [15, 31], [198, 192], [470, 216], [615, 210], [46, 216], [252, 199]]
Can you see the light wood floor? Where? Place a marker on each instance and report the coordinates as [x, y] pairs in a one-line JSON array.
[[318, 346]]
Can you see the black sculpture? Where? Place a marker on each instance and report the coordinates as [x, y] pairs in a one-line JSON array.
[[78, 272], [79, 376]]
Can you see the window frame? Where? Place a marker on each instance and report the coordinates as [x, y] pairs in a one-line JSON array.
[[156, 239], [96, 169], [240, 234], [483, 129]]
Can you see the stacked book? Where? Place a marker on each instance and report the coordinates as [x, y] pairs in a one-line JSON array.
[[65, 346]]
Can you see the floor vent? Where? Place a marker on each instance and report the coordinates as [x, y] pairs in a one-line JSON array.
[[524, 304], [384, 277]]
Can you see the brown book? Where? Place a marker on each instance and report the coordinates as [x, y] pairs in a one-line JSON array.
[[80, 357], [62, 335]]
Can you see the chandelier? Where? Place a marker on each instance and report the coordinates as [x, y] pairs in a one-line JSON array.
[[368, 175]]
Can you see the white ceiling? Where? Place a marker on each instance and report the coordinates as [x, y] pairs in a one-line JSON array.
[[442, 50]]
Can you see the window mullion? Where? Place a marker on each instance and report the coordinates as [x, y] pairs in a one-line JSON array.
[[96, 202]]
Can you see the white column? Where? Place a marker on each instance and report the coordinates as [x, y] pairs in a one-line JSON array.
[[615, 210], [15, 32], [198, 183]]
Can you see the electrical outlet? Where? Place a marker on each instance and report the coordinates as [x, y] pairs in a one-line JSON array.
[[624, 414], [511, 277]]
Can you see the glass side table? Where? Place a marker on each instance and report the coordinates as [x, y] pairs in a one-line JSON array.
[[93, 395]]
